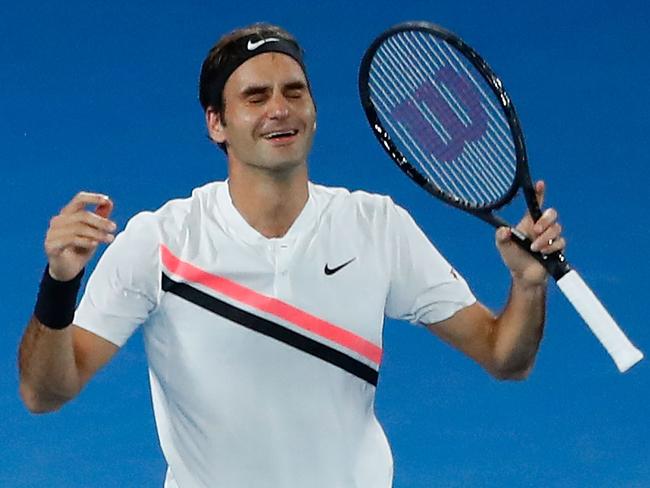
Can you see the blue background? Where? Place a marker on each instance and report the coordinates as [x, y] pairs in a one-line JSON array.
[[102, 96]]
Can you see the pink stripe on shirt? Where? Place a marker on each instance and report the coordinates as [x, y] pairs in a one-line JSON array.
[[276, 307]]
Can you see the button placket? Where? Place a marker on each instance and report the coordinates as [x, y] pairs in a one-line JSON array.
[[284, 255], [283, 259]]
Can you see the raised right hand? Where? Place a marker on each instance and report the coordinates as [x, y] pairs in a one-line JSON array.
[[74, 234]]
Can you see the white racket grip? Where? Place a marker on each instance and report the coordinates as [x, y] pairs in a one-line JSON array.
[[601, 323]]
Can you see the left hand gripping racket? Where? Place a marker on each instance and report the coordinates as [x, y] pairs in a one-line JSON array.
[[443, 116]]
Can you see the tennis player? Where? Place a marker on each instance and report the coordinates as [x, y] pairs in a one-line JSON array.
[[262, 298]]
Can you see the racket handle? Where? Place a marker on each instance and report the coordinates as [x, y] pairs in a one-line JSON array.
[[601, 323]]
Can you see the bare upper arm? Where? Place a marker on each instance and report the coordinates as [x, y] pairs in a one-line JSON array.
[[91, 352], [471, 331]]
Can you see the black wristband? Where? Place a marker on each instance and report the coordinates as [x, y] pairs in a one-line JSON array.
[[56, 300]]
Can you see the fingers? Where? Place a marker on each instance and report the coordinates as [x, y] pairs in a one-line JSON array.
[[503, 235], [548, 218], [105, 208], [94, 220], [63, 228], [56, 249], [83, 198], [78, 235], [550, 241], [540, 190], [80, 228], [76, 208], [527, 220], [546, 233], [81, 220]]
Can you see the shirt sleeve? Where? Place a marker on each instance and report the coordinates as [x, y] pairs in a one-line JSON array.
[[424, 287], [124, 287]]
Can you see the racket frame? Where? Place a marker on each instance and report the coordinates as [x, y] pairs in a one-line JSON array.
[[555, 263]]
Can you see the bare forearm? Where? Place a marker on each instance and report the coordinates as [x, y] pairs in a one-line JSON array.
[[48, 372], [55, 361], [519, 329]]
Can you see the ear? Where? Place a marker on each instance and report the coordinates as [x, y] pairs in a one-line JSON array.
[[215, 126]]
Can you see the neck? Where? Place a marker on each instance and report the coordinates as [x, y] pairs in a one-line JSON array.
[[269, 201]]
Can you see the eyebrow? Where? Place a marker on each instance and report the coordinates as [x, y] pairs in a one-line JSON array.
[[295, 85], [260, 89], [255, 90]]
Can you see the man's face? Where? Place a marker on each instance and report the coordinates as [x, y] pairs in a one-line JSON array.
[[269, 118]]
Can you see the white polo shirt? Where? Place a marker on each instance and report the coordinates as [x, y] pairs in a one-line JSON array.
[[264, 353]]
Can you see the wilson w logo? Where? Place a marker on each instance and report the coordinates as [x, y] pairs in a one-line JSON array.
[[455, 131]]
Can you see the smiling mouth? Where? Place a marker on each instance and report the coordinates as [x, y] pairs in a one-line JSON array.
[[280, 135]]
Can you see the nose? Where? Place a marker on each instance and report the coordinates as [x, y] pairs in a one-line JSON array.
[[278, 107]]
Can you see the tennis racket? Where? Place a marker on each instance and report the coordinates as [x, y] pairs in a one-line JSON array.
[[444, 117]]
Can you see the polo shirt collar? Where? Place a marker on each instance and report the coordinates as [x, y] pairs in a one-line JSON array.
[[238, 226]]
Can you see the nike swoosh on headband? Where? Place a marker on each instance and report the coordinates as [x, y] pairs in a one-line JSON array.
[[251, 46]]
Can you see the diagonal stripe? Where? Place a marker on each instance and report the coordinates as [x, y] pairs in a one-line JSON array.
[[271, 329], [276, 307]]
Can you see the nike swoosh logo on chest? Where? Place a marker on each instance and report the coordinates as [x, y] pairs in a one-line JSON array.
[[330, 271]]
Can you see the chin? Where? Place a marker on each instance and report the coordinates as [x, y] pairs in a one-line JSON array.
[[286, 161], [284, 166], [273, 159]]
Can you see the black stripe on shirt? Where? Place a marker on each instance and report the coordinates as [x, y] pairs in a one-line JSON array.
[[271, 329]]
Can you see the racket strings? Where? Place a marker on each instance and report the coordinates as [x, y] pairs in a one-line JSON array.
[[445, 117], [445, 56]]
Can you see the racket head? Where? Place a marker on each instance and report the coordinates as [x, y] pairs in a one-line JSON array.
[[435, 106]]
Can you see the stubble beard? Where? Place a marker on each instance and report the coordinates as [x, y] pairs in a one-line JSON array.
[[277, 166]]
